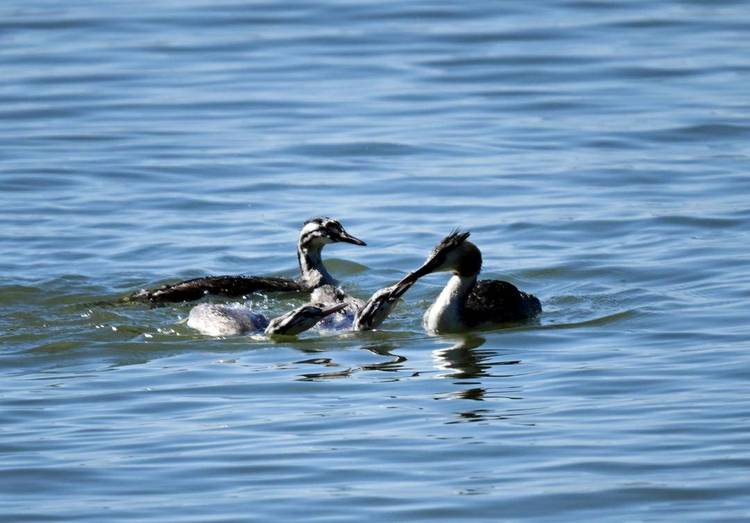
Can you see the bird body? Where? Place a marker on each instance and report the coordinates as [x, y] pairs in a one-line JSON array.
[[331, 295], [213, 319], [496, 301], [230, 286], [379, 307], [315, 234], [336, 310], [464, 302]]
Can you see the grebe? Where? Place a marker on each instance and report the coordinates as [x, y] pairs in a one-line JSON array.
[[329, 294], [379, 306], [466, 303], [358, 315], [232, 320], [225, 320], [316, 233]]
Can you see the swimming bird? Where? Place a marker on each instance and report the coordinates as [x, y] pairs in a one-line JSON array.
[[358, 315], [466, 303], [329, 295], [316, 233], [214, 319], [232, 320], [379, 306]]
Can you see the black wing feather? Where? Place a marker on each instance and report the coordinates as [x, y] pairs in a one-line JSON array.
[[232, 286], [495, 301]]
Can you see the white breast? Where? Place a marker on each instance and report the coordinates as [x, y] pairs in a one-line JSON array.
[[445, 314], [213, 319]]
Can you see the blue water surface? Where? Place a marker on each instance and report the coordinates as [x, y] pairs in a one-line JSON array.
[[598, 151]]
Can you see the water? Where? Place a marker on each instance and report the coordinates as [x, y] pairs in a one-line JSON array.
[[598, 152]]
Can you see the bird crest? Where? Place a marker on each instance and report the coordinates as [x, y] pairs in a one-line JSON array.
[[454, 239]]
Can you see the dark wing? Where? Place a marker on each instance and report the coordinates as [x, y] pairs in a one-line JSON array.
[[232, 286], [495, 301]]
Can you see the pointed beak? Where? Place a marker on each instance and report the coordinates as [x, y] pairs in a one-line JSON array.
[[429, 266], [400, 288], [348, 238], [336, 308]]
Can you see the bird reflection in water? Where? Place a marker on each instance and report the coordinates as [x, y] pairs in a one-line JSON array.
[[393, 364], [463, 362], [460, 359]]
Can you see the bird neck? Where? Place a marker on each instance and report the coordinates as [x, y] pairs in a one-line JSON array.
[[446, 314], [314, 273]]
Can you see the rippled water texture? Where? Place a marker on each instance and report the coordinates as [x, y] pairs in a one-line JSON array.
[[597, 150]]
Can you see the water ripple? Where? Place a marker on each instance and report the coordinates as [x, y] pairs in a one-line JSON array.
[[596, 150]]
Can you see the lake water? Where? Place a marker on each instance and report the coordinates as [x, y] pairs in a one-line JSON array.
[[598, 151]]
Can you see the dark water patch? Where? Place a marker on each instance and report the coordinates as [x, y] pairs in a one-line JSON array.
[[19, 293], [528, 75], [598, 5], [491, 37], [522, 92], [78, 78], [365, 149], [719, 3], [47, 479], [239, 47], [698, 133], [414, 13], [559, 105], [614, 144], [604, 320], [40, 113], [702, 222], [654, 23], [513, 60], [42, 23], [642, 72]]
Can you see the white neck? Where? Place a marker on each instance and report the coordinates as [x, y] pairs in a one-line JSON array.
[[311, 266], [446, 314]]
